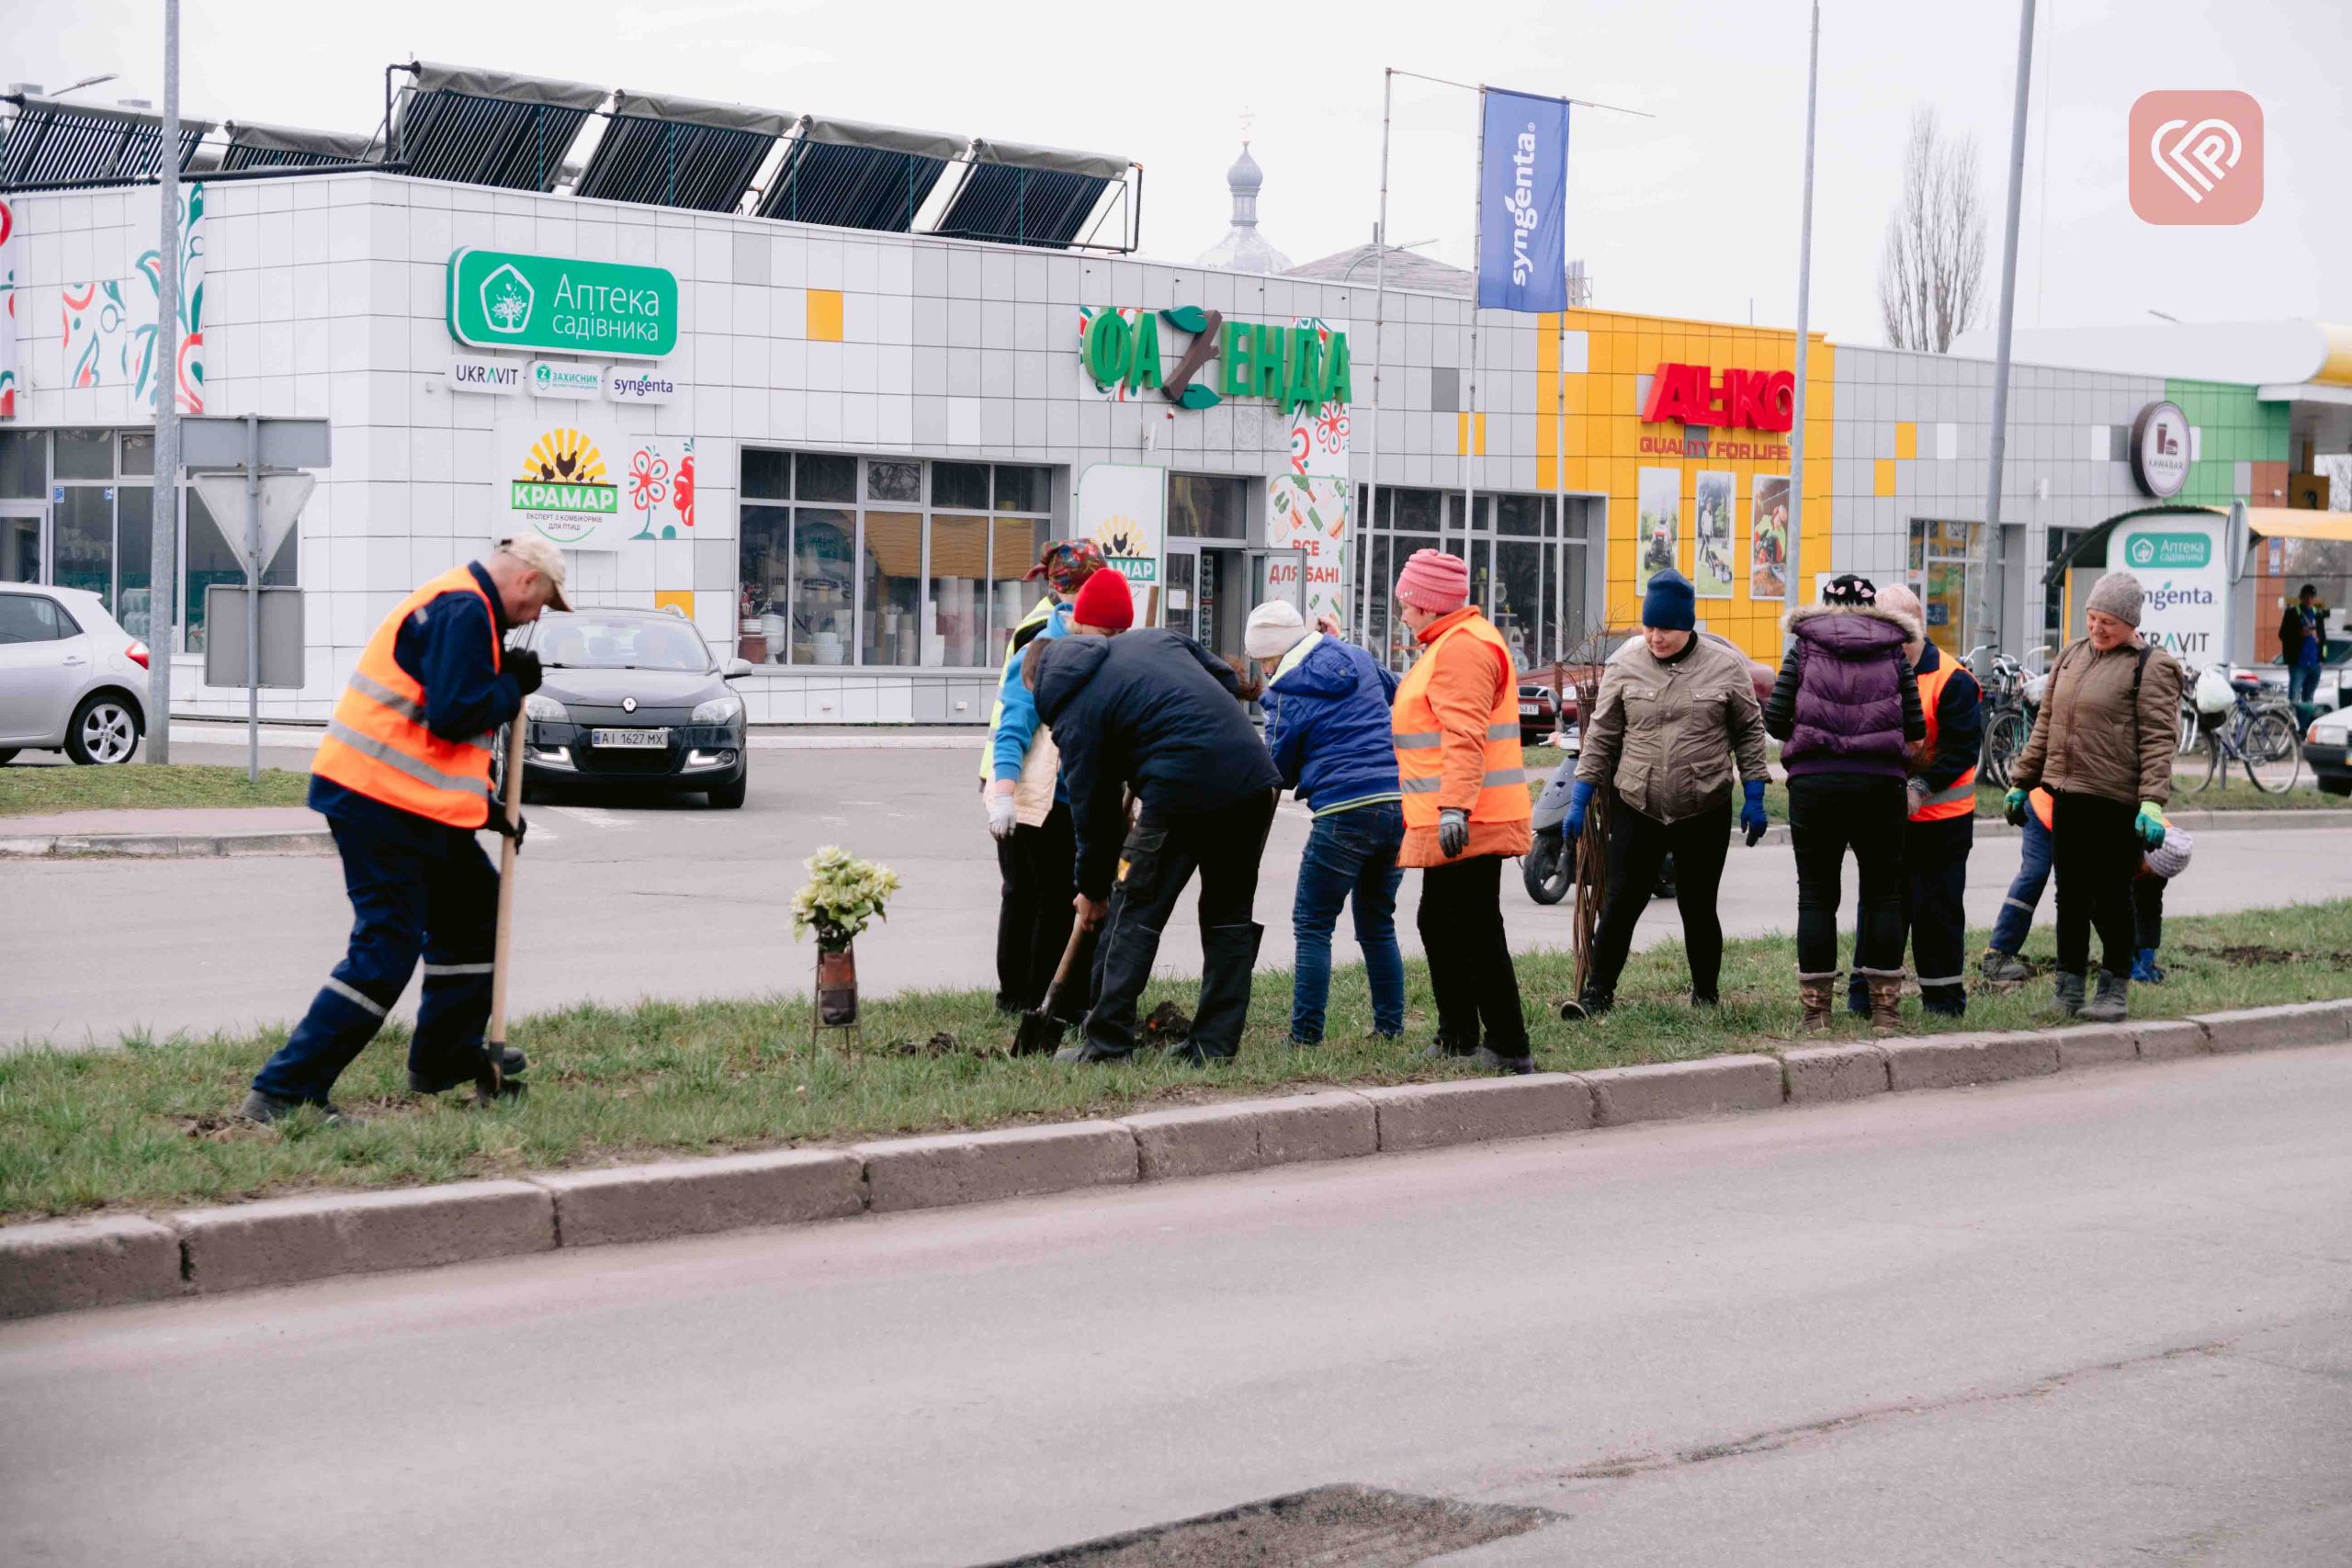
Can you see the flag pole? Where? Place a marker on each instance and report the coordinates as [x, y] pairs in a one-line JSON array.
[[1470, 402], [1792, 554], [1379, 353]]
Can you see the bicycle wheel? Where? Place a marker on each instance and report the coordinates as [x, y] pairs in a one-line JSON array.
[[2189, 731], [2216, 764], [2272, 757], [2003, 740]]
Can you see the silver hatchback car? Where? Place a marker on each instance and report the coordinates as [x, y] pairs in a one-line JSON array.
[[70, 677]]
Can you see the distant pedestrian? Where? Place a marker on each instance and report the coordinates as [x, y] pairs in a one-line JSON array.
[[1035, 858], [1466, 807], [403, 779], [1328, 726], [2103, 737], [1845, 709], [1155, 713], [1675, 726], [2302, 643], [1941, 828]]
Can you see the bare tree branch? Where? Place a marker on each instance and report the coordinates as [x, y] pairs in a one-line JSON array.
[[1931, 267]]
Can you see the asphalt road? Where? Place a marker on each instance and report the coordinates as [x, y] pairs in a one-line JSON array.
[[620, 900], [2102, 1319]]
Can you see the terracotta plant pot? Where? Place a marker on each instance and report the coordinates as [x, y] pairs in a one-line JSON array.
[[837, 986]]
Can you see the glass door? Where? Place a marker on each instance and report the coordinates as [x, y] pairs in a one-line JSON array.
[[1278, 574], [22, 525]]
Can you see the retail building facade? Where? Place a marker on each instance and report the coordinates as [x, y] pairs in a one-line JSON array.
[[837, 451]]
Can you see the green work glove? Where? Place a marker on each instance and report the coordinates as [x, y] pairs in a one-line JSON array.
[[2151, 824], [2013, 807]]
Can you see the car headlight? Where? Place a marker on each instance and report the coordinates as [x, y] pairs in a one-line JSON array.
[[545, 709], [725, 709]]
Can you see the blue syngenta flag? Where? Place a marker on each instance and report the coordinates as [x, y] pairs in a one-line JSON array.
[[1524, 190]]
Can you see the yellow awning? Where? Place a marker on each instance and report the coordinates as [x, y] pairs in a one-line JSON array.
[[2293, 522]]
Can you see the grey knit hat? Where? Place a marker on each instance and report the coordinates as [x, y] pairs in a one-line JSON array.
[[2118, 595]]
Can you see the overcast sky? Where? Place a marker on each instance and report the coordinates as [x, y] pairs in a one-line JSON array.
[[1691, 213]]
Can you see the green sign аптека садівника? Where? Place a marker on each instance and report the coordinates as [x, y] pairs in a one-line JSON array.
[[506, 300]]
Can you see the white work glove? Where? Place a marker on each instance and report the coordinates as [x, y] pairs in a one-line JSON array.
[[1915, 796], [1000, 813]]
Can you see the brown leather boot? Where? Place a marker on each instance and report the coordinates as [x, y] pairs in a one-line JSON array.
[[1886, 1004], [1817, 995]]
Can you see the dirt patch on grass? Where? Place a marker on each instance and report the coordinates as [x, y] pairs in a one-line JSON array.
[[1332, 1527], [2254, 955]]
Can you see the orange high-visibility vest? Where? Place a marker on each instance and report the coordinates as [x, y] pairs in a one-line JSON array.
[[377, 743], [1421, 741], [2041, 800], [1958, 798]]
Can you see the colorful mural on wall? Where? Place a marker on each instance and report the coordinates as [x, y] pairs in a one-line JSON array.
[[109, 326], [9, 254], [660, 486]]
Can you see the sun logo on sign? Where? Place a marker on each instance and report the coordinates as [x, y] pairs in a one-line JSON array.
[[564, 456]]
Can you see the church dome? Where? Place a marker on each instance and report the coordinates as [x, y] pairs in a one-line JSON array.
[[1244, 249]]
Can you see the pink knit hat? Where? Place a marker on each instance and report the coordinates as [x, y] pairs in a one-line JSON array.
[[1435, 581]]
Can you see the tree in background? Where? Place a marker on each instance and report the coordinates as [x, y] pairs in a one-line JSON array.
[[1931, 270]]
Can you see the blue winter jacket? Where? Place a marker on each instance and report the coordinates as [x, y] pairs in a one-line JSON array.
[[1016, 722], [1328, 725]]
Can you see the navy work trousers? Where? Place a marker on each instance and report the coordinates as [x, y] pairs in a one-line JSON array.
[[427, 894]]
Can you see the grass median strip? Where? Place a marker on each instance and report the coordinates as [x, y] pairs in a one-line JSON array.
[[34, 792], [148, 1126]]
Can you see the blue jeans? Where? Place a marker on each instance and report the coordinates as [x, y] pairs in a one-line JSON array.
[[1350, 856], [2302, 682], [2025, 892]]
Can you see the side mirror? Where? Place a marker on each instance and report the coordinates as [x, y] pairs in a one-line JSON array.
[[734, 668]]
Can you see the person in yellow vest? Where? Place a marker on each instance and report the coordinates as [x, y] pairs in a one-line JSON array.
[[1942, 791], [403, 779], [1466, 807]]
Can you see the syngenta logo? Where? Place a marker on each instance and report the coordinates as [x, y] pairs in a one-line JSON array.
[[2164, 596], [1521, 207], [506, 301], [2196, 157]]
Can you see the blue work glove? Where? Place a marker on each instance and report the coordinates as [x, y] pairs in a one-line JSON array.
[[1751, 814], [2151, 824], [2013, 807], [1578, 798], [1452, 830]]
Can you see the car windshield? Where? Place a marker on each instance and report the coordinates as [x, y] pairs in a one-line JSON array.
[[583, 642]]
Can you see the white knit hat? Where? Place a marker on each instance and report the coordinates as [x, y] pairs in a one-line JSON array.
[[2170, 858], [1273, 630]]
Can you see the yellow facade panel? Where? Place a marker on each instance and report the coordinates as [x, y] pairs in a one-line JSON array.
[[824, 315], [1907, 437], [1885, 476]]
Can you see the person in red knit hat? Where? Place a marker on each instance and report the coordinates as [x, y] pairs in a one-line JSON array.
[[1105, 607], [1466, 807]]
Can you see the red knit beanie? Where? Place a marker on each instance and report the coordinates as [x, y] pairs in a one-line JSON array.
[[1435, 581], [1105, 599]]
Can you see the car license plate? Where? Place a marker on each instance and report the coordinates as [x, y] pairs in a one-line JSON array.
[[630, 740]]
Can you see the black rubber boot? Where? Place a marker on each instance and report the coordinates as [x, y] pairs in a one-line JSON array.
[[266, 1108], [2110, 1005], [1444, 1050], [2066, 992], [510, 1066], [1493, 1061]]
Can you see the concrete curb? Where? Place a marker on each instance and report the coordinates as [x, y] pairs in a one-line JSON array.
[[65, 1265], [168, 846]]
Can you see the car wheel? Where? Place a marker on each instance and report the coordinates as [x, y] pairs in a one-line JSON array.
[[2340, 784], [7, 755], [104, 732], [728, 797]]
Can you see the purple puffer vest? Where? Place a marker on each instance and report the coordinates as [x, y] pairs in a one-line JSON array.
[[1849, 694]]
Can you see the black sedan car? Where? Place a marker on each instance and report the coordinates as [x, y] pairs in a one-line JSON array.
[[634, 697]]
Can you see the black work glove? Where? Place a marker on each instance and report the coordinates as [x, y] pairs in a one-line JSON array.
[[523, 665], [1452, 830], [499, 824]]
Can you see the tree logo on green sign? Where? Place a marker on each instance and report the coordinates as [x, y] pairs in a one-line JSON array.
[[506, 301]]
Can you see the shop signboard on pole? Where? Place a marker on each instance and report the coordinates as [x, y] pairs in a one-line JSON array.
[[1522, 200], [1123, 507], [1307, 501], [2183, 566]]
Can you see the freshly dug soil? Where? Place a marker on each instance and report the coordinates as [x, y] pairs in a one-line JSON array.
[[1330, 1526]]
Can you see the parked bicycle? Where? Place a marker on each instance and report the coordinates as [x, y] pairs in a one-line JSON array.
[[2013, 691], [2252, 732]]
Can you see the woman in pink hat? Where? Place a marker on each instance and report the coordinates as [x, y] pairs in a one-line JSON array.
[[1466, 807]]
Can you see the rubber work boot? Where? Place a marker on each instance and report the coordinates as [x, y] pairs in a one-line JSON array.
[[2003, 968], [266, 1109], [2066, 991], [511, 1067], [1489, 1059], [1817, 997], [1858, 996], [2144, 968], [1886, 1004], [2108, 1006]]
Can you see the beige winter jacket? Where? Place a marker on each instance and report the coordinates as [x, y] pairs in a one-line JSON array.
[[2089, 738], [1668, 732]]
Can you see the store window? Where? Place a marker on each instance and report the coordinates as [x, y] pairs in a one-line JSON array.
[[884, 562], [1527, 568], [1206, 506], [1943, 573], [77, 509]]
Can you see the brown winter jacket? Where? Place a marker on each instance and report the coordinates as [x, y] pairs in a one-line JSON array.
[[2088, 739], [1667, 732]]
